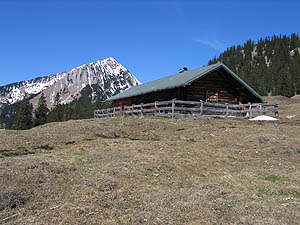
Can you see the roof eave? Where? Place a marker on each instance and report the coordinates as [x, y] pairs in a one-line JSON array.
[[142, 93]]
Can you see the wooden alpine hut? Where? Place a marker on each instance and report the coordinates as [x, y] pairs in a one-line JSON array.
[[214, 83]]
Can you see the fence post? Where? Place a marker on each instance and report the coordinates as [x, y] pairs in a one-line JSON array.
[[226, 113], [260, 109], [250, 110], [173, 108], [132, 109], [155, 108], [201, 107], [114, 110], [276, 110], [142, 110]]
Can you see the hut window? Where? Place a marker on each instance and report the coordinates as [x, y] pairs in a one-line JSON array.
[[212, 96]]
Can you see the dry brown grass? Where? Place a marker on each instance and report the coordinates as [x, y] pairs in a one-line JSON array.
[[154, 171]]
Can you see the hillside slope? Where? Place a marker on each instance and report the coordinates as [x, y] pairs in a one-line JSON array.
[[271, 65], [153, 171]]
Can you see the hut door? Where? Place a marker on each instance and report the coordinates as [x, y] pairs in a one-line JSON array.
[[212, 96]]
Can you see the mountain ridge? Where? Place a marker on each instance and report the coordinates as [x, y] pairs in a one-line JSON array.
[[108, 74]]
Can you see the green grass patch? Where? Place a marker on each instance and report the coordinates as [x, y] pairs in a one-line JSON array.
[[180, 185], [13, 132], [80, 160], [270, 192], [183, 184], [288, 195], [262, 189], [6, 153], [78, 157], [271, 178]]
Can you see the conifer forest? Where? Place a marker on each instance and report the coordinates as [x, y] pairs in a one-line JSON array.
[[271, 66]]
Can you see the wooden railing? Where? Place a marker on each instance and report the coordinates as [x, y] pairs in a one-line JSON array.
[[177, 108]]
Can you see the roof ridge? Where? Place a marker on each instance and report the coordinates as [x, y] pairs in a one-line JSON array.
[[181, 73], [215, 66], [176, 74]]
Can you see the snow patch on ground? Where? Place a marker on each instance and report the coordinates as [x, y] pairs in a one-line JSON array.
[[263, 117], [291, 117]]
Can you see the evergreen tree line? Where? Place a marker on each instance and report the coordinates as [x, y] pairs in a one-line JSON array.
[[271, 66], [27, 118]]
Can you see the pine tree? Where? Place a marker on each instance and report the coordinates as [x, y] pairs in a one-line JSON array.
[[57, 113], [24, 116], [57, 99], [41, 112]]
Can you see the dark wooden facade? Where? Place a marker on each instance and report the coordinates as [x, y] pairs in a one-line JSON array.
[[217, 86]]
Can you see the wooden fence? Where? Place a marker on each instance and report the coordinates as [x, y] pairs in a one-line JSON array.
[[177, 108]]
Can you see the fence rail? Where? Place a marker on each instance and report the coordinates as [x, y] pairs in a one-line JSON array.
[[178, 108]]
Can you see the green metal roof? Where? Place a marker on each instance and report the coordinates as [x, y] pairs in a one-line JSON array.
[[178, 80]]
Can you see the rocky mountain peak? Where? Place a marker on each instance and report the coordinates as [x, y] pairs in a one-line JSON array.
[[107, 75]]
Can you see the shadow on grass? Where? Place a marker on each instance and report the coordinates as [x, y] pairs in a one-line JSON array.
[[14, 153]]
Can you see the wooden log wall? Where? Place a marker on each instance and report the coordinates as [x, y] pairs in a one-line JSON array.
[[229, 90], [213, 82], [122, 102]]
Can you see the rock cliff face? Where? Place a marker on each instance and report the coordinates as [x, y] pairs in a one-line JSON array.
[[107, 75]]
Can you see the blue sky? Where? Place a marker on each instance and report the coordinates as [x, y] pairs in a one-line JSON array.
[[152, 39]]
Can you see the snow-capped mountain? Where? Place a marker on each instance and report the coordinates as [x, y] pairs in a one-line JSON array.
[[108, 75]]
